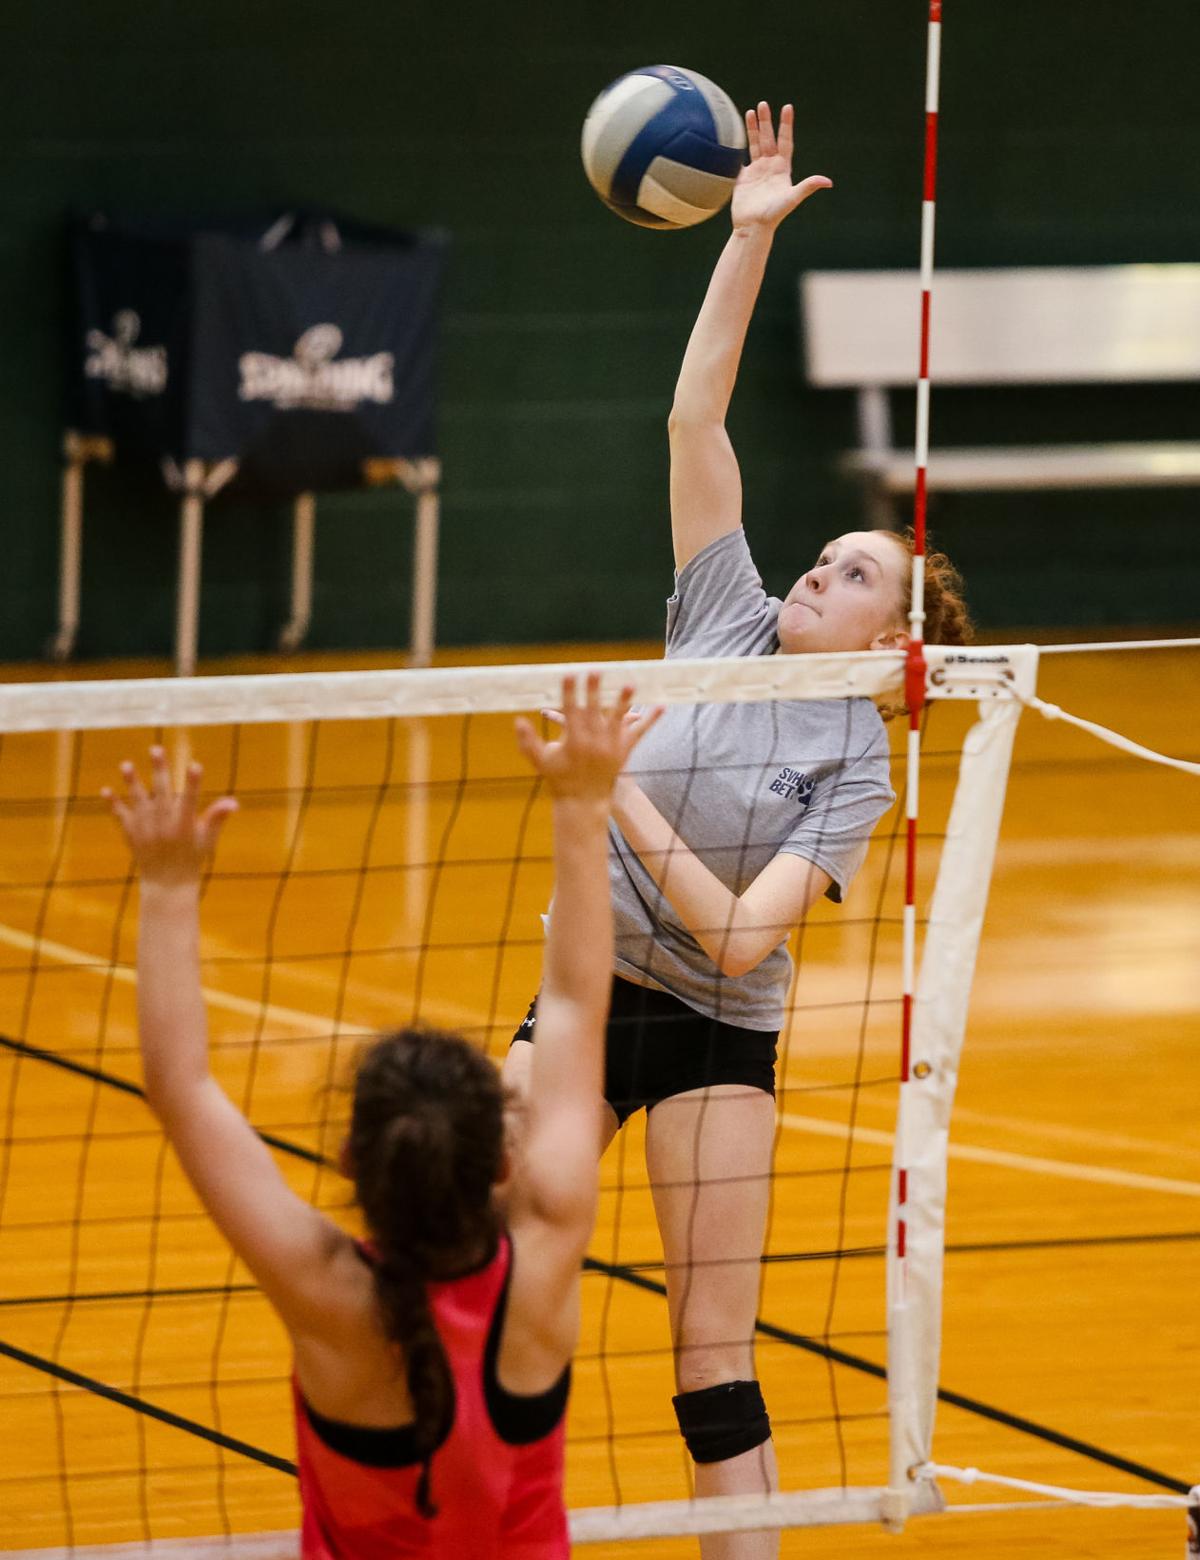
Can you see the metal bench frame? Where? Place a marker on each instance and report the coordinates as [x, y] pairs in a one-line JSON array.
[[1020, 326]]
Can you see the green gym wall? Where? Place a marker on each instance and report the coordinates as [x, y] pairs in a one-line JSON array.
[[1070, 134]]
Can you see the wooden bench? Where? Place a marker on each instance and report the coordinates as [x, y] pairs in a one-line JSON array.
[[1115, 324]]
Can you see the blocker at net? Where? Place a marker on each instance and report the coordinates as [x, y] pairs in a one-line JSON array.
[[275, 358]]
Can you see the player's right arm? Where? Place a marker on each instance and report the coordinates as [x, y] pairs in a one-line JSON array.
[[553, 1201], [706, 487], [291, 1248]]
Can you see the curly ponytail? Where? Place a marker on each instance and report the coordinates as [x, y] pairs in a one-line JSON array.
[[425, 1149], [947, 617], [408, 1319]]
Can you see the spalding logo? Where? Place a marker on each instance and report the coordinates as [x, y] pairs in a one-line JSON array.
[[129, 370], [312, 380]]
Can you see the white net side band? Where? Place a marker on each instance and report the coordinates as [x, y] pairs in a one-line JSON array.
[[917, 1226]]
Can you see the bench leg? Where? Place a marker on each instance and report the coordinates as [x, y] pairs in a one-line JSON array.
[[882, 510]]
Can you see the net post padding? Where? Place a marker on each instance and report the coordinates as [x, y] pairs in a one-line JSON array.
[[914, 1274]]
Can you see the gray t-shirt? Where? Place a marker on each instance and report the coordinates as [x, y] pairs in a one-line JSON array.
[[739, 783]]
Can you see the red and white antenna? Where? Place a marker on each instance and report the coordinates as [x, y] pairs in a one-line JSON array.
[[914, 676]]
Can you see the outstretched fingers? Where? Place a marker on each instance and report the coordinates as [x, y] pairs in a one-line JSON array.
[[118, 808], [135, 791], [160, 773], [530, 744], [752, 145], [787, 119], [189, 794], [584, 721], [809, 186], [766, 131], [211, 821], [623, 705], [636, 726]]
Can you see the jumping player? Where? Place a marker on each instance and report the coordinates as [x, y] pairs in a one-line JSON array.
[[733, 820]]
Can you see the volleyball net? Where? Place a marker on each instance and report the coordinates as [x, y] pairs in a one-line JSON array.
[[389, 866]]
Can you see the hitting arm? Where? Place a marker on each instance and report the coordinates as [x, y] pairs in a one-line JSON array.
[[706, 488]]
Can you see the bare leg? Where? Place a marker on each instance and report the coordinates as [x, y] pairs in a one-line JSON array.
[[708, 1153], [515, 1073]]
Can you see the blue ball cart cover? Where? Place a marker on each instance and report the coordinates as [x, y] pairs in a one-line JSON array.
[[298, 346]]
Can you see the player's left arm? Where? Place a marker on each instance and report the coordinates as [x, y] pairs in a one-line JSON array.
[[736, 931], [288, 1246]]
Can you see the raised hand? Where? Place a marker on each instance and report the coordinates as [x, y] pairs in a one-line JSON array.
[[764, 193], [169, 840], [586, 760]]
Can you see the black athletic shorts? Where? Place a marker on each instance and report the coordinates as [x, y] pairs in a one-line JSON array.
[[657, 1046]]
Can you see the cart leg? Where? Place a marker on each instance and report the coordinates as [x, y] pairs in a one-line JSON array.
[[70, 556], [304, 514], [425, 551], [187, 601]]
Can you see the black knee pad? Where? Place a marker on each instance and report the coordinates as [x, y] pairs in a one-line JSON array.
[[722, 1421]]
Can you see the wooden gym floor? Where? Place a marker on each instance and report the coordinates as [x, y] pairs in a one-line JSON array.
[[1072, 1337]]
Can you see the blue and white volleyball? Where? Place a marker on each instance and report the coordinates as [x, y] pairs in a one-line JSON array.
[[662, 147]]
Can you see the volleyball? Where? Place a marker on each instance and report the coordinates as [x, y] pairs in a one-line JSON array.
[[662, 147]]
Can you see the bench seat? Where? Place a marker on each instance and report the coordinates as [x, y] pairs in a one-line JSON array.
[[1038, 325]]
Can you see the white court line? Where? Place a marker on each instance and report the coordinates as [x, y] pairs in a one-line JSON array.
[[1063, 1168], [449, 1014], [312, 1023], [126, 975], [1087, 1137], [1082, 1137]]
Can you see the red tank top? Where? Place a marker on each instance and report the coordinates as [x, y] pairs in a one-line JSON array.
[[496, 1500]]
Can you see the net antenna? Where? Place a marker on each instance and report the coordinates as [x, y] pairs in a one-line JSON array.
[[934, 1007], [901, 1341]]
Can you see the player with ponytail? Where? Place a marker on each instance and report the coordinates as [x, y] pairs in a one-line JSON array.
[[431, 1359]]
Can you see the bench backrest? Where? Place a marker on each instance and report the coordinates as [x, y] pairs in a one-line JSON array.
[[1064, 324]]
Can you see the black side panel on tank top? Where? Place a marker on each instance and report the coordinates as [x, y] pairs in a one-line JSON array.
[[518, 1419], [374, 1448]]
